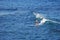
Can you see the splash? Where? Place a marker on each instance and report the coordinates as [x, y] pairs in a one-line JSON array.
[[43, 21]]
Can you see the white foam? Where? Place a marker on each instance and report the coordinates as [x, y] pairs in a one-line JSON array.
[[54, 21], [43, 19], [38, 15]]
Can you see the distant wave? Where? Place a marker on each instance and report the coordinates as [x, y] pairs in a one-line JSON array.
[[8, 9]]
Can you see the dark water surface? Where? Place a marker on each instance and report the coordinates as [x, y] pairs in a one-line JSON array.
[[17, 20]]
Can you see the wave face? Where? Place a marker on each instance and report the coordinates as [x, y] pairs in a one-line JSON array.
[[17, 21]]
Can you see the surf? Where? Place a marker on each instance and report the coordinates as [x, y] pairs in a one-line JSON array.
[[44, 20]]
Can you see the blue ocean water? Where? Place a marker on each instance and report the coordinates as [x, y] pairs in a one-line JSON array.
[[17, 20]]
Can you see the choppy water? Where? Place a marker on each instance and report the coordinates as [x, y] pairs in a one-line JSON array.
[[17, 20]]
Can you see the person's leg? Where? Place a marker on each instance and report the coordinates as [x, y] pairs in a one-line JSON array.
[[36, 23]]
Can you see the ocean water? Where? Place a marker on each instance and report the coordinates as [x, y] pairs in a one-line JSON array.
[[17, 21]]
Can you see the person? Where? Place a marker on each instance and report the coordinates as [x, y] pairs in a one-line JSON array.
[[39, 19]]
